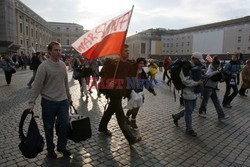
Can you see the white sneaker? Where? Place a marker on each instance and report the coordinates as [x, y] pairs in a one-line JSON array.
[[224, 118], [203, 115]]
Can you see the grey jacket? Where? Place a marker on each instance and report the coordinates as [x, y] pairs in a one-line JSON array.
[[211, 71], [187, 80]]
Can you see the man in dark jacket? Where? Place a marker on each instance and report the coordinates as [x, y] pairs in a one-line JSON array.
[[119, 70], [35, 62]]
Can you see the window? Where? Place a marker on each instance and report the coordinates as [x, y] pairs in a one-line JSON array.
[[143, 48], [21, 28], [27, 43], [21, 42], [36, 35], [187, 43], [167, 45], [67, 42], [176, 44], [187, 50], [20, 17], [58, 28], [249, 38], [239, 38], [76, 29], [27, 30], [164, 45], [238, 48], [32, 32], [172, 45]]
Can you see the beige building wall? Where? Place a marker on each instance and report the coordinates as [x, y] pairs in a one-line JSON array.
[[33, 32], [180, 44], [237, 39], [66, 34]]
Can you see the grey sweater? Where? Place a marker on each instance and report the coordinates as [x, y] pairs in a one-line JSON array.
[[51, 82]]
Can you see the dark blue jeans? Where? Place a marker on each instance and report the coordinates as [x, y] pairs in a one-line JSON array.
[[228, 98], [50, 111]]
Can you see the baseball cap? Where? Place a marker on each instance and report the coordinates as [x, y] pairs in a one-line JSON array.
[[199, 56]]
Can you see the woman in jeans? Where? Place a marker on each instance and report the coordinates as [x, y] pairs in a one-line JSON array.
[[213, 76], [7, 66]]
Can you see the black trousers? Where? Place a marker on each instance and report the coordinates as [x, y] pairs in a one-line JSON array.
[[165, 74], [8, 76], [242, 91], [115, 106], [228, 97]]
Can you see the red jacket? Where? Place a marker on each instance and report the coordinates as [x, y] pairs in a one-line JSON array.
[[166, 63]]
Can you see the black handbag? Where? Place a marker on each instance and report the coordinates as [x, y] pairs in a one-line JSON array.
[[13, 71], [80, 127]]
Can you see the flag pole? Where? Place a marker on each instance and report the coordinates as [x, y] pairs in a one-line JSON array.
[[123, 44]]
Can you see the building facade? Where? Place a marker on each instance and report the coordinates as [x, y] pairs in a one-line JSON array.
[[66, 34], [222, 38], [145, 44], [23, 31]]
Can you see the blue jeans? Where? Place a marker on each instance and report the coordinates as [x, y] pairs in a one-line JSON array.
[[50, 111], [32, 78], [187, 112], [211, 92]]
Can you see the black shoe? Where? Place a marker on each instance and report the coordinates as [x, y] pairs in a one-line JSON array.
[[52, 154], [242, 94], [175, 120], [65, 152], [133, 124], [106, 132], [136, 140], [191, 133]]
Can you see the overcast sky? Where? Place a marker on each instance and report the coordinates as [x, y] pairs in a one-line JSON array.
[[169, 14]]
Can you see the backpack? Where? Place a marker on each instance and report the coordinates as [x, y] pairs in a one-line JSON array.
[[33, 142], [175, 69]]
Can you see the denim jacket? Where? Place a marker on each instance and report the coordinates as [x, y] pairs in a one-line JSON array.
[[7, 64]]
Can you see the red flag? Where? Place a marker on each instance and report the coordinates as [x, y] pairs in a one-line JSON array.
[[209, 58], [105, 39]]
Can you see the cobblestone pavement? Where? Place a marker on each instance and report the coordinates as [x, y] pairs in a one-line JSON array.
[[217, 144]]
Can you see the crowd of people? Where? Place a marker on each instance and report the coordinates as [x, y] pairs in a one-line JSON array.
[[123, 78]]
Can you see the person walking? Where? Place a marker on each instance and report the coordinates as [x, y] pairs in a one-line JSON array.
[[153, 71], [84, 77], [115, 93], [141, 82], [213, 76], [166, 65], [188, 93], [8, 66], [51, 82], [245, 74], [35, 62], [231, 69]]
